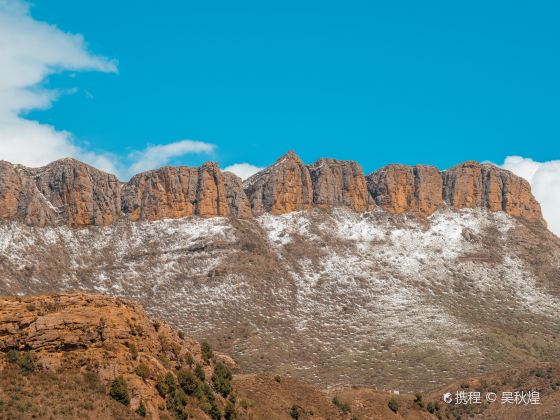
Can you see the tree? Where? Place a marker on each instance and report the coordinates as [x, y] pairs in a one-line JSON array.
[[221, 379], [188, 381], [141, 410], [393, 405], [27, 363], [229, 411], [206, 351], [143, 371], [199, 372], [119, 391]]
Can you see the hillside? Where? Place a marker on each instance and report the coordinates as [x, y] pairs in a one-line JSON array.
[[62, 354]]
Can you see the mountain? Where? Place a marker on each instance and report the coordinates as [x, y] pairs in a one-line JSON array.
[[408, 278]]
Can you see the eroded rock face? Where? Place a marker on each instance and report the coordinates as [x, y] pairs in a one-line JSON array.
[[400, 188], [81, 194], [339, 183], [71, 192], [281, 188], [472, 184], [20, 199], [173, 192], [237, 200]]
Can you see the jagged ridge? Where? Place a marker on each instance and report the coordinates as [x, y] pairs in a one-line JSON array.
[[71, 192]]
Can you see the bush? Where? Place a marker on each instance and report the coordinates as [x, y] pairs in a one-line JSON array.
[[188, 381], [12, 356], [189, 360], [133, 351], [119, 391], [206, 351], [27, 363], [229, 411], [393, 405], [344, 407], [181, 335], [418, 400], [143, 371], [141, 410], [294, 412], [278, 379], [176, 404], [199, 372], [221, 379]]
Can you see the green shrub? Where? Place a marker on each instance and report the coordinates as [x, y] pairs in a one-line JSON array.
[[133, 351], [143, 371], [294, 412], [188, 381], [12, 356], [199, 372], [189, 359], [206, 351], [119, 391], [221, 379], [393, 405], [181, 335], [27, 363], [344, 407], [141, 410], [229, 411], [418, 400], [176, 404]]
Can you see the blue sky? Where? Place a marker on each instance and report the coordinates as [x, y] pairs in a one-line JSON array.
[[379, 82]]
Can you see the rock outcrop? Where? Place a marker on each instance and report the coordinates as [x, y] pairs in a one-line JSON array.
[[472, 184], [21, 200], [82, 195], [238, 202], [105, 336], [400, 188], [339, 183], [173, 192], [281, 188], [71, 192]]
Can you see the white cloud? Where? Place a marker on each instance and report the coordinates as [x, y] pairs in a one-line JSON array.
[[30, 51], [544, 178], [243, 170], [158, 155]]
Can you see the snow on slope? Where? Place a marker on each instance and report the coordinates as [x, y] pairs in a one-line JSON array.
[[332, 297]]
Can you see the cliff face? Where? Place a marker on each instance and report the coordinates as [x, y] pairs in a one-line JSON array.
[[472, 184], [71, 192], [282, 188], [173, 192], [400, 188], [339, 183], [81, 194], [20, 199]]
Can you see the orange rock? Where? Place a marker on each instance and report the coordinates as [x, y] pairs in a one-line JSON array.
[[282, 188], [339, 183], [471, 184], [173, 192], [81, 194], [400, 188]]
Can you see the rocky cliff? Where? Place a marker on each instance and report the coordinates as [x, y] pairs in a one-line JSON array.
[[173, 192], [339, 183], [71, 192], [282, 188]]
